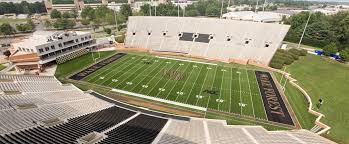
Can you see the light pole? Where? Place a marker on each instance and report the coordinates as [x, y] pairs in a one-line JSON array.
[[305, 28], [222, 8], [264, 4], [178, 7], [116, 23]]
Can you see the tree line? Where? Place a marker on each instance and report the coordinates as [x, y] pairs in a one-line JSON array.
[[22, 8], [329, 32], [6, 29]]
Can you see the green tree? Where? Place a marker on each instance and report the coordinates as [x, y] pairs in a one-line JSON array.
[[67, 15], [88, 12], [145, 9], [64, 24], [7, 53], [7, 29], [212, 10], [85, 22], [74, 14], [344, 54], [107, 30], [330, 49], [22, 27], [125, 10], [55, 14]]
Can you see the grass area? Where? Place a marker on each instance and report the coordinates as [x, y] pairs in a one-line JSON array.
[[77, 64], [2, 67], [326, 79], [11, 21], [298, 103], [216, 87]]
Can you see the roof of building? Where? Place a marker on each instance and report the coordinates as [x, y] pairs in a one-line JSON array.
[[39, 38], [254, 16], [33, 57]]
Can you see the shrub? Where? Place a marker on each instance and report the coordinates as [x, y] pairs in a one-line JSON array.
[[120, 39], [288, 60], [278, 59], [107, 30], [294, 51], [330, 49], [276, 65], [294, 57], [303, 52]]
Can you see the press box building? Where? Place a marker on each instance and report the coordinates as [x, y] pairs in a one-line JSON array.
[[45, 47]]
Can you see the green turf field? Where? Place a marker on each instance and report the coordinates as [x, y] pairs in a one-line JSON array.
[[206, 85]]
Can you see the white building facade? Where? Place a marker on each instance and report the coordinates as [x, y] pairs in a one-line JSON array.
[[44, 47]]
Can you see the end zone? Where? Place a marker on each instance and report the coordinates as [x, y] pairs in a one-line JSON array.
[[274, 105]]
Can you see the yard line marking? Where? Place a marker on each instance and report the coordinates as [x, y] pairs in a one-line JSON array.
[[231, 69], [177, 82], [123, 65], [248, 81], [209, 96], [157, 81], [261, 98], [186, 101], [102, 70], [132, 73], [220, 88], [240, 92], [130, 64], [141, 74], [186, 60], [186, 82], [154, 68], [130, 67], [168, 81], [202, 87]]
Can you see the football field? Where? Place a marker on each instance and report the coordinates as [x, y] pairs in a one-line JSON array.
[[207, 85]]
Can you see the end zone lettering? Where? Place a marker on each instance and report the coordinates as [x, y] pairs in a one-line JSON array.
[[274, 105]]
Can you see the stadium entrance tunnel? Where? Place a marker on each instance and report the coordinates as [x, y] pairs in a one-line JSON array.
[[274, 105], [84, 73]]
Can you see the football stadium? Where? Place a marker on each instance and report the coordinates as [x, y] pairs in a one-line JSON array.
[[174, 80]]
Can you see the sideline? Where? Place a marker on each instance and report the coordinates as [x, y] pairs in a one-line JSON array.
[[185, 60], [159, 99]]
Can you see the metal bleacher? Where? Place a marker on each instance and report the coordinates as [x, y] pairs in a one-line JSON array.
[[206, 37], [67, 115]]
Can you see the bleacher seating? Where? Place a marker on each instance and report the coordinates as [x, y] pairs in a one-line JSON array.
[[219, 47], [40, 99], [56, 116], [72, 130], [184, 132], [141, 130]]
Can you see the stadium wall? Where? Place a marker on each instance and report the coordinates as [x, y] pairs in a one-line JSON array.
[[210, 38]]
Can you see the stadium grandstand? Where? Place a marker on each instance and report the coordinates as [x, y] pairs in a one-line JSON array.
[[39, 109], [217, 39]]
